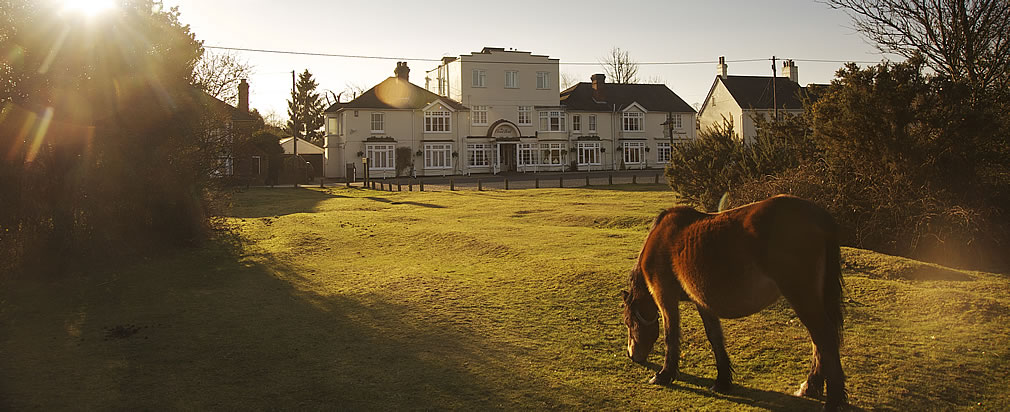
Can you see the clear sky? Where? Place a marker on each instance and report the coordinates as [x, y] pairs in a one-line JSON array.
[[572, 31]]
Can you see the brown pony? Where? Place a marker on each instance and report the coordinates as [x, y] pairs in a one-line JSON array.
[[733, 264]]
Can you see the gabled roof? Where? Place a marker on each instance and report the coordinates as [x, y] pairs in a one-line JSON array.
[[653, 97], [219, 105], [755, 92], [304, 147], [394, 93]]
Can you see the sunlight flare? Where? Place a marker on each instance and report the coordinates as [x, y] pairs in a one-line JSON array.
[[88, 7]]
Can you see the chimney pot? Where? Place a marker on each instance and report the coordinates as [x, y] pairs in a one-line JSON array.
[[402, 71], [243, 96], [599, 83], [789, 70]]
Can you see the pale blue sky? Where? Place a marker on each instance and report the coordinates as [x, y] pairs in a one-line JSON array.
[[572, 31]]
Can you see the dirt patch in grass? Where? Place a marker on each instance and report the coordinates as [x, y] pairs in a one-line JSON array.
[[604, 222]]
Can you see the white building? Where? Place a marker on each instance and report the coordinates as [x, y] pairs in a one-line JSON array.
[[741, 99], [501, 110]]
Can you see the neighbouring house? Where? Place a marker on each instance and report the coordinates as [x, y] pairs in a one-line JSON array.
[[237, 157], [501, 110], [624, 126], [394, 114], [309, 152], [741, 99]]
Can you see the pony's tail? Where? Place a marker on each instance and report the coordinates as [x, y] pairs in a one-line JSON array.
[[832, 286]]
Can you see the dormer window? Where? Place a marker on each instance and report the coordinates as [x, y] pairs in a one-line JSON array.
[[437, 120], [632, 121]]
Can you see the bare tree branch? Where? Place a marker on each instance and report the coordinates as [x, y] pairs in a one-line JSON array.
[[619, 67], [968, 40], [219, 74], [568, 80]]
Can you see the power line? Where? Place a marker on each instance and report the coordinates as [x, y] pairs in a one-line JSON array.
[[349, 56], [672, 63]]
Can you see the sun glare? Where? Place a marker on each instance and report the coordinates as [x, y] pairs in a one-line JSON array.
[[88, 7]]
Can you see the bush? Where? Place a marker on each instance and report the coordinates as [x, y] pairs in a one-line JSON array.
[[702, 170], [887, 213], [906, 163], [85, 174]]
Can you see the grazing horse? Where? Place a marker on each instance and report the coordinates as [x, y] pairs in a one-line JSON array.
[[733, 264]]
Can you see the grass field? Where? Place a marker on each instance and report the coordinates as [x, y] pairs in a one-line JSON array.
[[357, 299]]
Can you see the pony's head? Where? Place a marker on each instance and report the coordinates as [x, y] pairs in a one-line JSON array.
[[641, 316]]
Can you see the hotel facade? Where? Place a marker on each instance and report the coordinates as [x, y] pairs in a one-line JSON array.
[[502, 111]]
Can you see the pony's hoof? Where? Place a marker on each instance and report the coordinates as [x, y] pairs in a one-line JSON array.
[[663, 379], [832, 407], [721, 387], [806, 390]]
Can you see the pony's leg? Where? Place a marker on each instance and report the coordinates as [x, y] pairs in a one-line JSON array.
[[713, 329], [826, 339], [670, 308], [814, 385]]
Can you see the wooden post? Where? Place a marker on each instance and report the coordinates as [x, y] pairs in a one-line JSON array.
[[657, 179], [399, 186], [452, 184], [420, 184], [479, 186], [506, 183], [537, 180], [410, 185], [561, 181], [587, 180], [634, 179], [610, 179]]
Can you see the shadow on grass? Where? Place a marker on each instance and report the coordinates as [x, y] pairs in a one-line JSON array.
[[212, 330], [629, 187], [741, 395], [384, 200], [277, 201]]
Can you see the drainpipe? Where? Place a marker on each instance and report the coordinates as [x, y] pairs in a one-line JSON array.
[[613, 138]]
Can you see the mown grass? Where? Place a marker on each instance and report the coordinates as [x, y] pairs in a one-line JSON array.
[[357, 299]]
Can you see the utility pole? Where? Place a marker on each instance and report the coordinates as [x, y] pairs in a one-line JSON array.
[[294, 131], [775, 101]]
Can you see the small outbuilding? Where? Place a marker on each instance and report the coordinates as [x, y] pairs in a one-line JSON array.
[[309, 152]]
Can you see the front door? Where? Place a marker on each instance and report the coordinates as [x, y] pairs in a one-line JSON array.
[[507, 157]]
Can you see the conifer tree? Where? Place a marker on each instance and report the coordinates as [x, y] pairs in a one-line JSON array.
[[306, 108]]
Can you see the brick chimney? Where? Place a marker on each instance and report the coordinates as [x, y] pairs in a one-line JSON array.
[[789, 70], [402, 71], [599, 86], [721, 68], [243, 96]]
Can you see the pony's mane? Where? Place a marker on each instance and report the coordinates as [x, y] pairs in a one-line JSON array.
[[636, 281], [658, 218]]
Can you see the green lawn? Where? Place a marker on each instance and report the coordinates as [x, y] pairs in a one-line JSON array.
[[358, 299]]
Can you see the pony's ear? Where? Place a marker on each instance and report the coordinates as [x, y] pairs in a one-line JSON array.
[[625, 295]]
